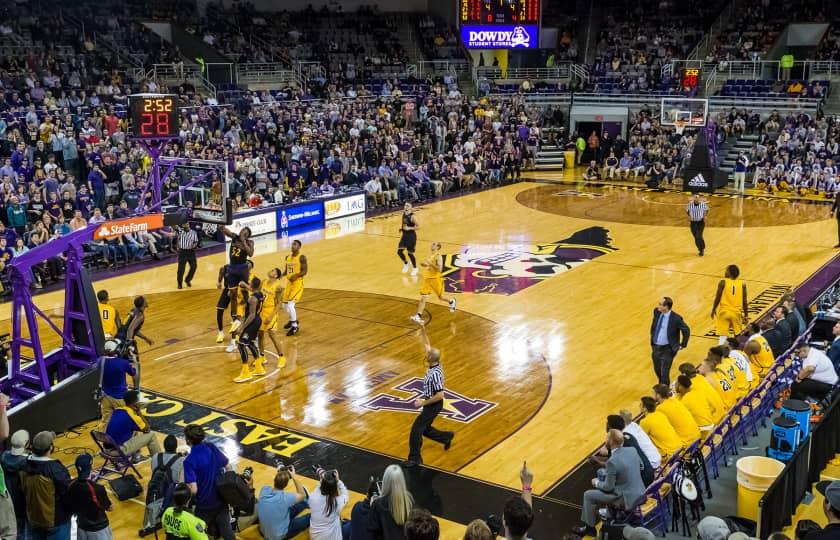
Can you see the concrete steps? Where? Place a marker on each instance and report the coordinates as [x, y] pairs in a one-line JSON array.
[[730, 149], [550, 157]]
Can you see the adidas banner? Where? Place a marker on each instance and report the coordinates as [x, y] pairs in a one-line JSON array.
[[699, 174]]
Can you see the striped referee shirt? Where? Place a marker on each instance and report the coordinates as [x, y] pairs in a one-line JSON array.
[[697, 212], [433, 381], [187, 239]]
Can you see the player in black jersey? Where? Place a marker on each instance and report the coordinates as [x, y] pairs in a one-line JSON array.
[[408, 240], [222, 283], [241, 247], [249, 330], [130, 330]]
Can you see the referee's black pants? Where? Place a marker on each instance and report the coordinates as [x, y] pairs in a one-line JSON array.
[[422, 427], [186, 256], [697, 232]]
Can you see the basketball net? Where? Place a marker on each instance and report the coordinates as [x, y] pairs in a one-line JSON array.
[[679, 126]]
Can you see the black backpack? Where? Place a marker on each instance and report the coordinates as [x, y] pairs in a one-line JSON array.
[[234, 491], [159, 492]]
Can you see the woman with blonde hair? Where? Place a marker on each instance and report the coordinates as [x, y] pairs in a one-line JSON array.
[[478, 530], [389, 512]]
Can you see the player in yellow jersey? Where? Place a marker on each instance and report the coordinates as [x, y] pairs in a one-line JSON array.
[[295, 269], [726, 364], [730, 308], [270, 313], [701, 383], [432, 282], [759, 352], [108, 314], [240, 295], [720, 381]]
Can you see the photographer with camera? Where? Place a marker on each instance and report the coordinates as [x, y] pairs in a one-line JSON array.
[[325, 504], [277, 510]]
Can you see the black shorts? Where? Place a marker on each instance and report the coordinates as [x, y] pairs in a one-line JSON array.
[[250, 332], [236, 275], [408, 241], [224, 298]]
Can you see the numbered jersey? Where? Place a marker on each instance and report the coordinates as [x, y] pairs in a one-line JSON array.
[[270, 296], [260, 297], [108, 314], [292, 264], [432, 270], [238, 255], [724, 387], [732, 298], [763, 359]]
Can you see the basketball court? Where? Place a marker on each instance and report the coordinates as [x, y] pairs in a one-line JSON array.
[[556, 283]]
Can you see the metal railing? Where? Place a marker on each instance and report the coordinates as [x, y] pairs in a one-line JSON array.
[[702, 48], [759, 69], [562, 70], [172, 74], [441, 67], [262, 73], [580, 72]]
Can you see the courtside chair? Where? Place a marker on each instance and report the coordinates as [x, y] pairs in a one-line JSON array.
[[116, 461]]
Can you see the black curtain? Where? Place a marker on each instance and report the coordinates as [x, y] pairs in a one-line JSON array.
[[781, 499], [825, 440]]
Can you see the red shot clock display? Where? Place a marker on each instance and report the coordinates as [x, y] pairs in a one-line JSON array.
[[153, 116]]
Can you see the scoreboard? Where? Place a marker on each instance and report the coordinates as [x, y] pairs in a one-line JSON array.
[[153, 116], [500, 24], [508, 12], [690, 78]]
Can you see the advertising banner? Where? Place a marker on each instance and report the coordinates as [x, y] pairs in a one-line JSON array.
[[523, 36], [300, 214], [344, 206], [261, 223]]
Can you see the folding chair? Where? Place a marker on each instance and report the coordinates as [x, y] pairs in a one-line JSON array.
[[654, 510], [116, 461]]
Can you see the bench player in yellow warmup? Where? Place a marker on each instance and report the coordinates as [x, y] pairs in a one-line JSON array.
[[432, 282]]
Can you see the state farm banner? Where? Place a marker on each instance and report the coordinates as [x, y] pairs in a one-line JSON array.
[[522, 36], [119, 227]]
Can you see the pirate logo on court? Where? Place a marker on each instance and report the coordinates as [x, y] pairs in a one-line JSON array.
[[455, 406], [509, 270]]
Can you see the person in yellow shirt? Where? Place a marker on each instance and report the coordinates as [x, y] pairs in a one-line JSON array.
[[759, 352], [659, 429], [677, 413], [720, 382], [108, 314], [702, 384], [432, 282], [725, 363], [696, 402], [270, 314], [730, 308]]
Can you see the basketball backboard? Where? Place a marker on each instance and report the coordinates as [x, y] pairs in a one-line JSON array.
[[204, 184], [692, 111]]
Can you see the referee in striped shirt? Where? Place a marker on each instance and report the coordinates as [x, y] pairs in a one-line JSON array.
[[187, 242], [432, 404], [697, 211]]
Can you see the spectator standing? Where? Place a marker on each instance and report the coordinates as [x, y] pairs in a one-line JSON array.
[[201, 468], [89, 502], [277, 510], [187, 243], [325, 504], [45, 482], [697, 210], [668, 334], [13, 460], [389, 511], [8, 521]]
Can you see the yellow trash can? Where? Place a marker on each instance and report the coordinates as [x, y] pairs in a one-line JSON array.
[[755, 475], [570, 159]]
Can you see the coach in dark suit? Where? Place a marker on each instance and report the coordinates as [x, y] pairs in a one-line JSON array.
[[834, 351], [668, 334]]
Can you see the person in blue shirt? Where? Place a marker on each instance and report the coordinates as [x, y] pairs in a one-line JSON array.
[[129, 429], [201, 468], [96, 182], [278, 509], [114, 385]]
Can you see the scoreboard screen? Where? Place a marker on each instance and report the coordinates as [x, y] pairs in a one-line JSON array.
[[500, 24], [505, 12], [153, 116]]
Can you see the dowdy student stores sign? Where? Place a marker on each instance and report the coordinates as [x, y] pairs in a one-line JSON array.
[[500, 36]]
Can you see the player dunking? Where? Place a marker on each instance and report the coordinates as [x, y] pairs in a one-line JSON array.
[[272, 291], [241, 247], [296, 268], [730, 308], [408, 240], [249, 330], [432, 282]]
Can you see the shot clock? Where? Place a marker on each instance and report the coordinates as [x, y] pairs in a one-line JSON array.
[[153, 116]]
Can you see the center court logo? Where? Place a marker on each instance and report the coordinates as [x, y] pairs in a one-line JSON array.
[[500, 271], [455, 406]]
